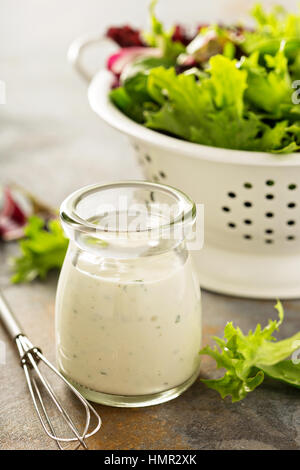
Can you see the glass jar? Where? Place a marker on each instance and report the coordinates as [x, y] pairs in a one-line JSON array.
[[128, 313]]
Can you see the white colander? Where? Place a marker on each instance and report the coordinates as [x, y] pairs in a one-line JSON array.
[[251, 199]]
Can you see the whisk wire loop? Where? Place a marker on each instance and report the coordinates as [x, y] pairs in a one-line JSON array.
[[30, 358]]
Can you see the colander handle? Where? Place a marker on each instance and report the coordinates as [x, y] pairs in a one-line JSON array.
[[77, 49]]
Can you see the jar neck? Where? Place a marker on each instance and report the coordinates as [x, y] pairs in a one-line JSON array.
[[130, 268], [129, 219], [124, 248]]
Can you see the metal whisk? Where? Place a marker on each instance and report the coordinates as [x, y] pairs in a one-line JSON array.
[[30, 357]]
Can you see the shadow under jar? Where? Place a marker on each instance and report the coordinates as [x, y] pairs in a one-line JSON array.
[[128, 312]]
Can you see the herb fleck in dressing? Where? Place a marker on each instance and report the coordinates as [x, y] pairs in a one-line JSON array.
[[141, 323]]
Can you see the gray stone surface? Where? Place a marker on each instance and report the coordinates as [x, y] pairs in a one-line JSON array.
[[52, 143]]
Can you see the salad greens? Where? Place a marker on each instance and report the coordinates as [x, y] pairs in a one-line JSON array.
[[229, 87], [42, 249], [211, 114], [162, 39], [271, 28], [248, 358]]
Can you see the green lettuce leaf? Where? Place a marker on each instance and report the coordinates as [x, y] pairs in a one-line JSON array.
[[271, 29], [133, 109], [159, 37], [286, 371], [42, 249], [269, 89], [247, 357], [132, 97]]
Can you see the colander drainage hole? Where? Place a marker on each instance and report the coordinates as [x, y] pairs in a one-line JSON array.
[[231, 225], [248, 204], [226, 209], [247, 221], [247, 185], [270, 183], [292, 186], [269, 214], [269, 196], [231, 194], [269, 231], [148, 158], [162, 174], [291, 222], [269, 241], [291, 205], [248, 237], [290, 237]]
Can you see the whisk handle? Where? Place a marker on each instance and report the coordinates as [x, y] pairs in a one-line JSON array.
[[8, 319]]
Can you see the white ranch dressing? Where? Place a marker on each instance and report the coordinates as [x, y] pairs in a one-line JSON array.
[[134, 330]]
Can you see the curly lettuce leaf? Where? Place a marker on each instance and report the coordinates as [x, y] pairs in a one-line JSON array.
[[133, 109], [271, 28], [132, 97], [159, 37], [209, 112], [247, 358], [294, 130], [42, 250], [269, 88], [276, 23]]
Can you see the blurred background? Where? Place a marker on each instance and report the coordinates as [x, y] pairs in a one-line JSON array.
[[50, 140]]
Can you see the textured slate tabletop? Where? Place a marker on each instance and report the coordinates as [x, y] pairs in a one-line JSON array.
[[268, 418], [52, 144]]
